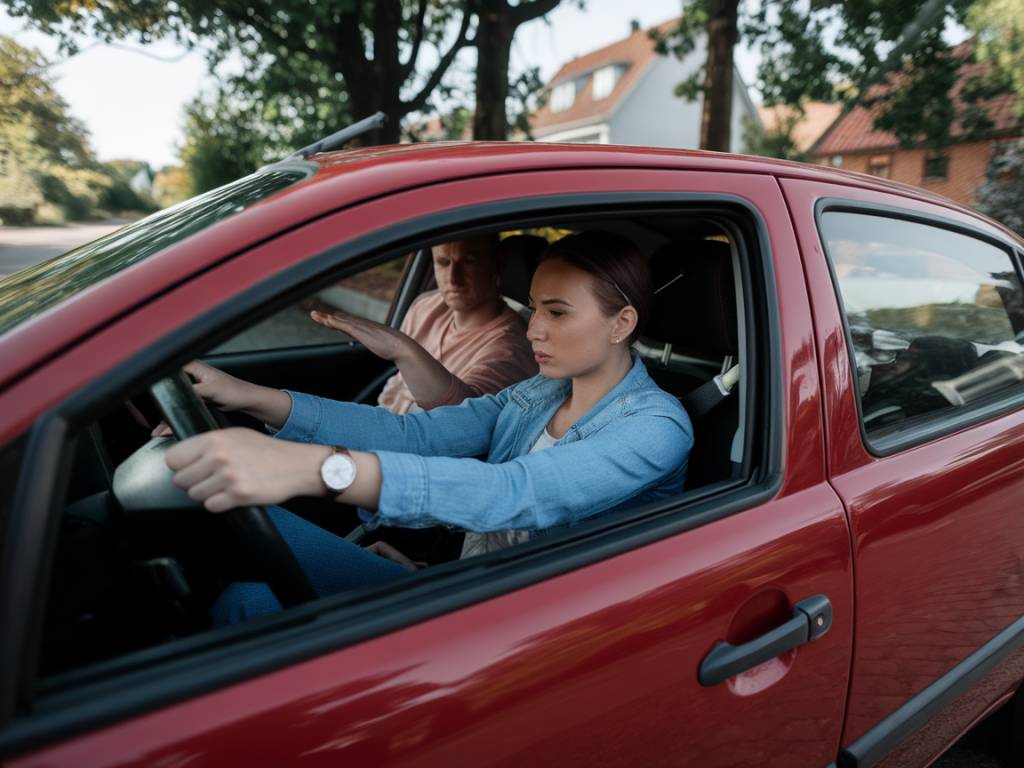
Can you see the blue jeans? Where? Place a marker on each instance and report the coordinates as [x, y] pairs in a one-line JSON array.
[[332, 564]]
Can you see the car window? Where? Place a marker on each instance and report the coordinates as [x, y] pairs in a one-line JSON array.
[[368, 294], [936, 317]]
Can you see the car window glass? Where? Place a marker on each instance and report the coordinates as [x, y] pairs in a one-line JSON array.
[[368, 294], [936, 317]]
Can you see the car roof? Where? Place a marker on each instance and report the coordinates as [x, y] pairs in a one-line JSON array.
[[343, 178]]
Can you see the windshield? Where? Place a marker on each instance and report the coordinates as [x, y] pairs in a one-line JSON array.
[[27, 293]]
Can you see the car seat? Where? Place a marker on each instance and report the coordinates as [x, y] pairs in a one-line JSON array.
[[692, 336], [518, 256]]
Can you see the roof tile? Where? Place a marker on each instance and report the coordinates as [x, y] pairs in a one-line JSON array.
[[854, 133]]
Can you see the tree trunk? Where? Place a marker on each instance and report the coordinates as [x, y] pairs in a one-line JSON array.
[[716, 117], [494, 44]]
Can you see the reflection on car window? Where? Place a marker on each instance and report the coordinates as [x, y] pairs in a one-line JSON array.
[[367, 294], [29, 292], [937, 318]]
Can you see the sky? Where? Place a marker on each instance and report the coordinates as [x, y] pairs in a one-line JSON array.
[[132, 98]]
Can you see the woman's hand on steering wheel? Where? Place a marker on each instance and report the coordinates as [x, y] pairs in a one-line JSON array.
[[229, 393], [237, 467], [220, 389]]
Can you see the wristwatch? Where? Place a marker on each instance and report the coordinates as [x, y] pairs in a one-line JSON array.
[[338, 471]]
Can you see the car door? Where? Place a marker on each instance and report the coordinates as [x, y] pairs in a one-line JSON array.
[[584, 649], [932, 305]]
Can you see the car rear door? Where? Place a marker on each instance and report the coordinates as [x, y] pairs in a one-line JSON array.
[[589, 652], [933, 499]]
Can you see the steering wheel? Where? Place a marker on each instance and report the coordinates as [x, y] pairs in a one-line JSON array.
[[188, 415]]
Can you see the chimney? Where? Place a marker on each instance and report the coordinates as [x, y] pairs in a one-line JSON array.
[[634, 26]]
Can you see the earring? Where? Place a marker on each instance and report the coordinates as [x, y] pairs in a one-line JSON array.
[[615, 340]]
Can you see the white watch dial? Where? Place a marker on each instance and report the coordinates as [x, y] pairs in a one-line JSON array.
[[338, 472]]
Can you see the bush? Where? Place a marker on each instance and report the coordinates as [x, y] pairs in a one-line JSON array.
[[14, 216], [49, 214], [1002, 194], [119, 196], [55, 191]]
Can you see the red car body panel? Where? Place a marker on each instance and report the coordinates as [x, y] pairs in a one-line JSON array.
[[599, 665], [937, 529], [594, 667]]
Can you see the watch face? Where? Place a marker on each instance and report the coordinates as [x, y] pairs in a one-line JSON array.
[[338, 472]]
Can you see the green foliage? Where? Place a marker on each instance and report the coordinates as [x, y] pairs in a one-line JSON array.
[[526, 96], [314, 63], [776, 141], [839, 50], [172, 185], [998, 26], [457, 123], [45, 152], [682, 41], [1002, 194], [223, 141]]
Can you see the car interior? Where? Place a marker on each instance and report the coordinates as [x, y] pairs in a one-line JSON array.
[[137, 564]]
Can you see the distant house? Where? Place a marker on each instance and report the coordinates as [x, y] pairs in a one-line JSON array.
[[807, 128], [624, 94], [956, 170], [142, 182]]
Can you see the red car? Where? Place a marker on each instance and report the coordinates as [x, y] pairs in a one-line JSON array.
[[842, 580]]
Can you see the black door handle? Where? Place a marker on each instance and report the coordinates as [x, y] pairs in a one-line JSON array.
[[811, 619]]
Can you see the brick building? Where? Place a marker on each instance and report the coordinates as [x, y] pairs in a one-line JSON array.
[[955, 171]]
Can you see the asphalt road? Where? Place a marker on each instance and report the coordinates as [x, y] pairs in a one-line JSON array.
[[21, 247]]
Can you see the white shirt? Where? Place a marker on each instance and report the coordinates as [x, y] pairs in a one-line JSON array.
[[492, 541]]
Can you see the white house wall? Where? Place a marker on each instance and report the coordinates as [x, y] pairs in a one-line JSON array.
[[652, 115]]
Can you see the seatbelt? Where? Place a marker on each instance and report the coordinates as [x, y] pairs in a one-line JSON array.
[[708, 395]]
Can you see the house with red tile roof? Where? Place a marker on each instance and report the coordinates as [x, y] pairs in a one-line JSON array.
[[956, 170], [624, 94]]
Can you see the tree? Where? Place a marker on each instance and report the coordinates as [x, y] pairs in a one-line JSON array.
[[171, 185], [1002, 194], [998, 26], [497, 23], [44, 152], [774, 140], [829, 50], [226, 138], [362, 55]]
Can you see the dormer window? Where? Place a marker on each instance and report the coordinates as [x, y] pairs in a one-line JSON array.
[[605, 80], [562, 96]]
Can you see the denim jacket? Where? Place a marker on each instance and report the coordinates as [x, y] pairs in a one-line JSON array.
[[631, 446]]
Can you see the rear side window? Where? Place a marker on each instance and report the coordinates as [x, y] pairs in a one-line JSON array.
[[936, 317]]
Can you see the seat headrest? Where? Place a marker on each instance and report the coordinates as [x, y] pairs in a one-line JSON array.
[[695, 298], [518, 256]]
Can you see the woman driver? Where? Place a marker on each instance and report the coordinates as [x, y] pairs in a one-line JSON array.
[[590, 433]]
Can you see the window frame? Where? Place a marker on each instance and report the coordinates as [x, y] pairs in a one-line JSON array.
[[563, 92], [930, 157], [926, 428], [109, 691], [609, 75], [887, 165]]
